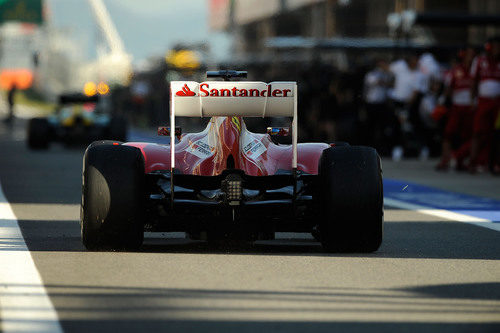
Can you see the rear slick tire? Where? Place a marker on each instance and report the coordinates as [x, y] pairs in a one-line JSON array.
[[113, 197], [350, 199]]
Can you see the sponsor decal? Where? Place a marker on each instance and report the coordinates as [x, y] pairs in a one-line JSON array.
[[252, 147], [206, 91], [201, 148], [185, 91]]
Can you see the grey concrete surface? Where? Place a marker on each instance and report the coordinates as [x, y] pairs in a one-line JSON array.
[[429, 275]]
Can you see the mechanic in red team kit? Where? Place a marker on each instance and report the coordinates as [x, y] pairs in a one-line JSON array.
[[461, 116], [485, 71]]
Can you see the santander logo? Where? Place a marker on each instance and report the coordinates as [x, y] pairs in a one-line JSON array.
[[205, 91], [185, 91]]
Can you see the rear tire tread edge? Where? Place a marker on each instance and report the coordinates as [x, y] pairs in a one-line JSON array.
[[350, 199], [113, 197]]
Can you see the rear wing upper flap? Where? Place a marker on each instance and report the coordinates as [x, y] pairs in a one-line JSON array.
[[233, 98]]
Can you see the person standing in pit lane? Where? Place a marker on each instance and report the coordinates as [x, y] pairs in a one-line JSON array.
[[409, 86], [10, 101], [459, 124], [485, 71], [382, 122]]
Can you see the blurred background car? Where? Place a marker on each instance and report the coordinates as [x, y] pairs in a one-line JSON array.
[[77, 119]]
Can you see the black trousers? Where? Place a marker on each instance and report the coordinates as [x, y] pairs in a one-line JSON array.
[[384, 129]]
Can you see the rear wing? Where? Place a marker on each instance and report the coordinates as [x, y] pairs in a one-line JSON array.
[[233, 98]]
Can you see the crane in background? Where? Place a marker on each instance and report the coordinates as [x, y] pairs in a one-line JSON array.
[[61, 68], [113, 64]]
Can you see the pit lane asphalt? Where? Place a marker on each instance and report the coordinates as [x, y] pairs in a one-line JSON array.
[[429, 275]]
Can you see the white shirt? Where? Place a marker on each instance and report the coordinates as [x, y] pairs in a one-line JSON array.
[[376, 82], [430, 68], [406, 81]]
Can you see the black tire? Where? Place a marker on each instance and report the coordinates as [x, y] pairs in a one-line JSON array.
[[113, 197], [350, 199], [38, 133], [117, 129]]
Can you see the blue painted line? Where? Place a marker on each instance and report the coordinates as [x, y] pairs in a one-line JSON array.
[[413, 193]]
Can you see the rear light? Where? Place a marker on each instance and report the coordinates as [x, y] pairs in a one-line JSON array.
[[233, 189]]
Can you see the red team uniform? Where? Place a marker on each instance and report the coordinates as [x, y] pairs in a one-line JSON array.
[[487, 72], [461, 114]]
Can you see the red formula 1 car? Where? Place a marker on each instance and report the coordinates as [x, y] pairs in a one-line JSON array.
[[227, 182]]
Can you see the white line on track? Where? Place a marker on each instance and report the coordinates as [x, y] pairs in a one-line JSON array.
[[446, 214], [21, 287]]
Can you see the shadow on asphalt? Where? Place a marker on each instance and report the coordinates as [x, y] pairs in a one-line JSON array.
[[477, 291], [146, 309], [472, 291], [429, 240], [272, 326]]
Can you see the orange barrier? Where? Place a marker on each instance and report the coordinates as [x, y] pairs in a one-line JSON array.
[[22, 78]]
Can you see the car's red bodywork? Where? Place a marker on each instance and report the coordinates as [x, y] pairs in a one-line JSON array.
[[207, 153]]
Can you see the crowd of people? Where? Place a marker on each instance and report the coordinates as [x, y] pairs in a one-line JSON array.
[[412, 101]]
